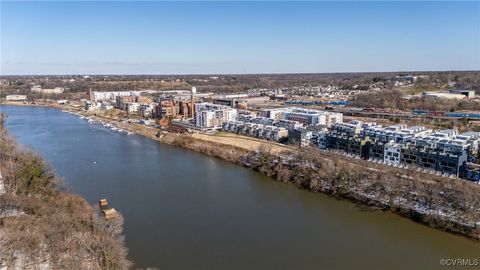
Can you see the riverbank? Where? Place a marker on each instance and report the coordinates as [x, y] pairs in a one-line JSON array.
[[451, 205], [25, 103], [44, 226], [448, 204]]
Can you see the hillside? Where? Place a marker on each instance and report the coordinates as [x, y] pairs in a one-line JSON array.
[[43, 226]]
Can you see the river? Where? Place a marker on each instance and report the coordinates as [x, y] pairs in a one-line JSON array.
[[184, 210]]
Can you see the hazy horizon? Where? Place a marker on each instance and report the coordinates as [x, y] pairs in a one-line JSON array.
[[233, 38], [238, 74]]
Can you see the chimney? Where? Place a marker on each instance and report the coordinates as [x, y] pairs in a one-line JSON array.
[[192, 102], [90, 96]]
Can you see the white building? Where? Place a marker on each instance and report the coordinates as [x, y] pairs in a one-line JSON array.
[[132, 107], [467, 93], [16, 97], [272, 133], [62, 101], [90, 106], [209, 116], [392, 153], [112, 95], [276, 114], [409, 133], [443, 95], [304, 116], [98, 96], [147, 110], [396, 133], [56, 90]]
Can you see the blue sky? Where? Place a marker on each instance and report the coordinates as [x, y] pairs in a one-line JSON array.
[[237, 37]]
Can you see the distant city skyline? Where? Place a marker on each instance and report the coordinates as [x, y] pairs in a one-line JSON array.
[[48, 38]]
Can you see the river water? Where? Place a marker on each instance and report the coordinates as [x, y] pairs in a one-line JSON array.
[[184, 210]]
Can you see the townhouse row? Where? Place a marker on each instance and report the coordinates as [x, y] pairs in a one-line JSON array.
[[266, 132], [444, 151]]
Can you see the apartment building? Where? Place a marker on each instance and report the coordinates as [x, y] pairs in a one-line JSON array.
[[288, 124], [91, 105], [209, 116], [186, 110], [121, 101], [305, 116], [271, 133], [300, 137], [274, 113], [131, 107], [112, 95], [167, 108], [473, 140], [144, 99], [147, 110], [344, 137], [443, 151], [314, 117], [241, 104], [392, 151]]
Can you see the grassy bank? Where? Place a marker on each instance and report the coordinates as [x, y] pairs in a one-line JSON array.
[[43, 226]]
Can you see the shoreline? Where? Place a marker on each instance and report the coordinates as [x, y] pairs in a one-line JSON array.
[[21, 103], [328, 173]]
